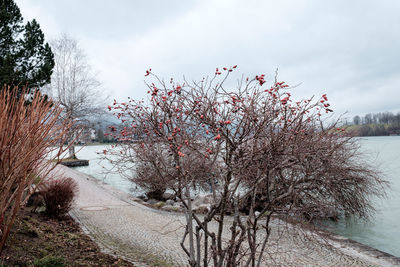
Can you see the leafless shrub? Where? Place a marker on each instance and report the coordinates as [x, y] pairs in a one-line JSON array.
[[58, 195], [260, 152], [29, 137]]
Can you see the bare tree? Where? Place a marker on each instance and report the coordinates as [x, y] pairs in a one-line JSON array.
[[368, 118], [74, 85], [262, 153], [356, 120]]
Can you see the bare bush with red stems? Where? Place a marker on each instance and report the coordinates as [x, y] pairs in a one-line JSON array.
[[58, 195], [29, 137], [263, 154]]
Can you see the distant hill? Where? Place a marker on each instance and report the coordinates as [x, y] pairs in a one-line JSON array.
[[378, 124], [373, 129]]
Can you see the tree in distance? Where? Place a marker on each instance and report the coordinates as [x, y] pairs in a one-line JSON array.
[[74, 85]]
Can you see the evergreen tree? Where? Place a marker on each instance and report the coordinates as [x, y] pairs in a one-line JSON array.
[[25, 59]]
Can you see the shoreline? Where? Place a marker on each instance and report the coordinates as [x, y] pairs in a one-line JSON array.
[[345, 245]]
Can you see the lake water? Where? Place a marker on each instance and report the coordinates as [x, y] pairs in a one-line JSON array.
[[102, 169], [382, 232]]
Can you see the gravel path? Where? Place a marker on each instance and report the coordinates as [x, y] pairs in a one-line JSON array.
[[149, 237]]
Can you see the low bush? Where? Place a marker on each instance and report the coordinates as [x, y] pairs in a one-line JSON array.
[[59, 195], [50, 261]]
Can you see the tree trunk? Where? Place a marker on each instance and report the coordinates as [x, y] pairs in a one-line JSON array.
[[72, 152]]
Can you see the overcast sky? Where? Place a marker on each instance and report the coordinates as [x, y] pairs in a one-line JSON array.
[[347, 49]]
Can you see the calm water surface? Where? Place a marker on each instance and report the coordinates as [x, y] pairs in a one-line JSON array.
[[102, 169], [382, 232]]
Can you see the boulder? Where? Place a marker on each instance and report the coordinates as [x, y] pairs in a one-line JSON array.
[[143, 197], [203, 200], [178, 204], [202, 203], [170, 202], [152, 201], [167, 196], [203, 209]]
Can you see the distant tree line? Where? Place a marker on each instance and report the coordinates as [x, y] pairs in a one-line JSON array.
[[377, 124]]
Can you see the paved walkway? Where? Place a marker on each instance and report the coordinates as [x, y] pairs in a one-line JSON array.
[[149, 237]]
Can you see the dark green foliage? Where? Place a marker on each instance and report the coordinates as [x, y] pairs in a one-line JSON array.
[[25, 59], [50, 261]]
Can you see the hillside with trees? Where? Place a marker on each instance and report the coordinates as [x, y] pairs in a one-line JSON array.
[[377, 124]]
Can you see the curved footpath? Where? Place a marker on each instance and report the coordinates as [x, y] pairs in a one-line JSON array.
[[149, 237]]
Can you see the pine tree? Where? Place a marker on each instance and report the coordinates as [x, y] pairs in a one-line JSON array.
[[25, 59]]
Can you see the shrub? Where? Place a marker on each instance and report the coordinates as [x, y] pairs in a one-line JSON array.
[[59, 195], [50, 261], [30, 136], [255, 148]]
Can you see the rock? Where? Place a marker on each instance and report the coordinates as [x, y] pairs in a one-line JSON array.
[[202, 209], [172, 208], [143, 197], [202, 200], [178, 204], [170, 202], [202, 204], [152, 201], [167, 196]]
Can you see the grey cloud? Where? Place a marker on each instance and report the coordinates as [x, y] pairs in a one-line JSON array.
[[348, 49]]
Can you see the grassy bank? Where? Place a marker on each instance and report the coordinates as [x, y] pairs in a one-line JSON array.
[[373, 129]]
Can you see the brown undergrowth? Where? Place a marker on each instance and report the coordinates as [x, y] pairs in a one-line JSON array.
[[37, 240]]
